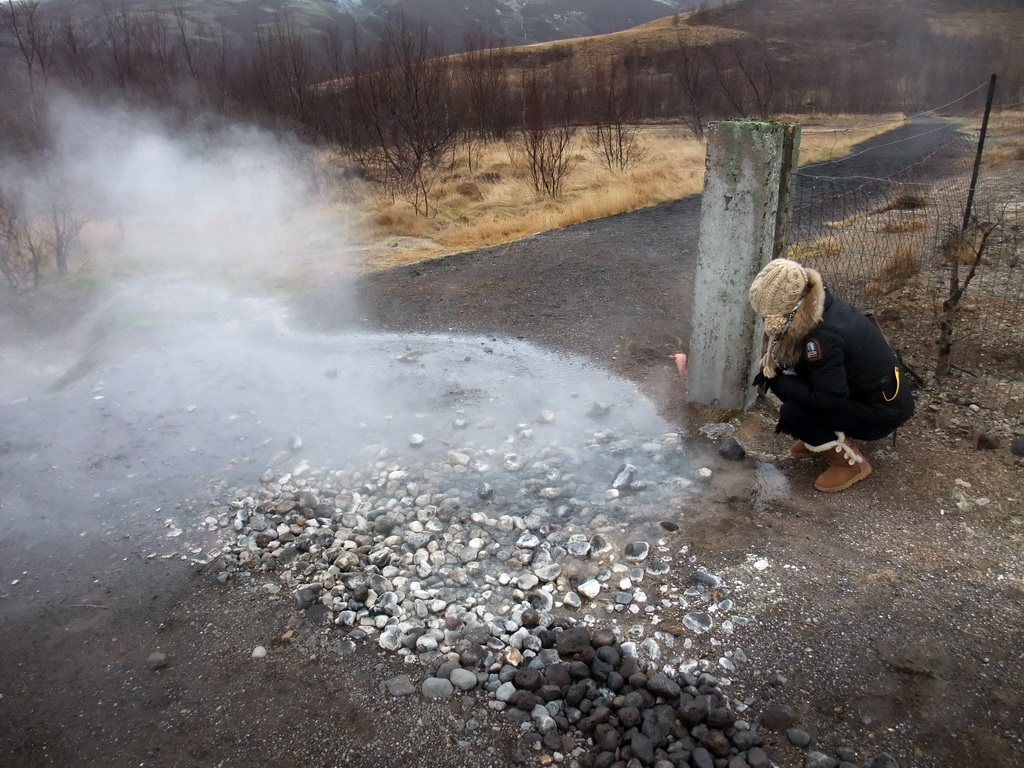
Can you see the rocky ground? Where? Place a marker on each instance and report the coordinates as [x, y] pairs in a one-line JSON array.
[[231, 542]]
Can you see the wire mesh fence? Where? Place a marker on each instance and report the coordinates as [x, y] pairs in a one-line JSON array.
[[886, 227]]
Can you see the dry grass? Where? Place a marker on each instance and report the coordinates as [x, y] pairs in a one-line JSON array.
[[493, 202], [902, 264], [1008, 22], [822, 248], [1004, 143], [849, 221], [903, 202], [961, 248], [904, 226], [1001, 151]]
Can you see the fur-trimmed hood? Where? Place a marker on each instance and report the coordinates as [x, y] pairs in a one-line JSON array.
[[786, 346]]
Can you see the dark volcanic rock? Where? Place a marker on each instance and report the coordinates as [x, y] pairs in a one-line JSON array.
[[733, 450], [572, 641], [777, 717]]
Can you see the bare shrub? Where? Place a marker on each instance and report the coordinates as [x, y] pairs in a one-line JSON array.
[[16, 265], [962, 248], [614, 97], [402, 97], [691, 74]]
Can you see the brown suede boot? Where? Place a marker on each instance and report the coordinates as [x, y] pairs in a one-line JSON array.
[[799, 450], [847, 464]]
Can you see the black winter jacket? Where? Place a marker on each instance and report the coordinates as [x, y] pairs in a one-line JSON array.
[[845, 357]]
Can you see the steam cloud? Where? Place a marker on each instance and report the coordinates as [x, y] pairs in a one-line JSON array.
[[235, 199]]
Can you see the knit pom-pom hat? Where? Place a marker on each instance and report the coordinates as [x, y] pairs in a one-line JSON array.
[[790, 299], [777, 288]]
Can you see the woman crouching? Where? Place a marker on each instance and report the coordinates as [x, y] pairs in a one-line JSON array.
[[829, 364]]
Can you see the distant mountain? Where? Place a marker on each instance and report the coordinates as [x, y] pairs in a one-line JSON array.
[[521, 22], [516, 22]]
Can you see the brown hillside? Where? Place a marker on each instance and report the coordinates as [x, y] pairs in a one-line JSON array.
[[810, 32], [649, 40], [841, 23]]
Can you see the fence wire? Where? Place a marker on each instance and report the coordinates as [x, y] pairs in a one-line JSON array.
[[885, 227]]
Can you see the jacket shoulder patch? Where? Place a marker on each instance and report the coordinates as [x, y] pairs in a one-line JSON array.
[[812, 350]]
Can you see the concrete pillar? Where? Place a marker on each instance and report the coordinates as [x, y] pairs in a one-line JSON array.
[[744, 216]]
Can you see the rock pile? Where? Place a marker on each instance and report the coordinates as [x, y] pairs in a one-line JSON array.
[[397, 551], [507, 572], [587, 688]]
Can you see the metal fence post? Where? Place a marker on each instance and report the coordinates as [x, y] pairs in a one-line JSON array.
[[744, 216], [977, 158]]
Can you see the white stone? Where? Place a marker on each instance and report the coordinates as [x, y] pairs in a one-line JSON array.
[[590, 588]]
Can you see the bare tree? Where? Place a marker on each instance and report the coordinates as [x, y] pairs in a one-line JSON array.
[[34, 42], [285, 69], [548, 134], [756, 69], [614, 91], [402, 94], [118, 37], [60, 220], [14, 266], [186, 40], [692, 76], [483, 69], [75, 57], [745, 76], [485, 65]]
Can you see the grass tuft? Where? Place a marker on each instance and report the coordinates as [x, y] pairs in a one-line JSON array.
[[904, 226], [904, 202], [902, 264], [822, 248]]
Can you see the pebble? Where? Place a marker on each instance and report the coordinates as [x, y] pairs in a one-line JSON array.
[[460, 577], [637, 550], [814, 759], [717, 431], [590, 588], [259, 652], [157, 660], [798, 737], [400, 686], [437, 688], [697, 621], [463, 679]]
